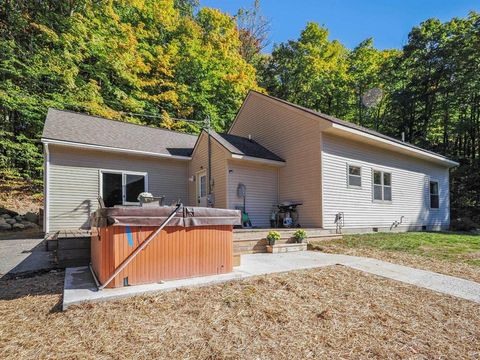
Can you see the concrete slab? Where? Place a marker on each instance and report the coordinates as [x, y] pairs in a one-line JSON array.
[[19, 255], [80, 286]]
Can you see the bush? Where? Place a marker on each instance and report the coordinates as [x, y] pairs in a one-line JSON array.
[[272, 237], [464, 224], [300, 235]]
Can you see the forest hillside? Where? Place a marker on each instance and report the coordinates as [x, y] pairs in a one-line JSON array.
[[153, 62]]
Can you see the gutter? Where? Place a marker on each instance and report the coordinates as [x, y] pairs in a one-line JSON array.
[[47, 141], [422, 153], [259, 160]]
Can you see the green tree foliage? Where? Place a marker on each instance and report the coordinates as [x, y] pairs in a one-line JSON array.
[[115, 58], [311, 71], [173, 59]]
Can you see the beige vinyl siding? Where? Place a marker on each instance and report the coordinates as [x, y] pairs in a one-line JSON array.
[[294, 136], [74, 181], [262, 190], [219, 170], [410, 187]]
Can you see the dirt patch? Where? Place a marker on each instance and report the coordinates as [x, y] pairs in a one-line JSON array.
[[21, 196], [459, 269], [332, 312]]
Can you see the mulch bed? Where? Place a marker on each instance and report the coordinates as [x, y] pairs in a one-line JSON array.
[[332, 312]]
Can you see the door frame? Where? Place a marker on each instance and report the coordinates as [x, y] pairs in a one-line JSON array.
[[124, 174]]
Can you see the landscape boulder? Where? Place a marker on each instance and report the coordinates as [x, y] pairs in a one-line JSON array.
[[28, 224], [18, 226], [18, 218], [10, 221], [32, 217], [5, 226], [5, 216], [10, 213]]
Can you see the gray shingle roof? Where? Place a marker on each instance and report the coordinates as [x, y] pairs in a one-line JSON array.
[[243, 146], [86, 129], [350, 125]]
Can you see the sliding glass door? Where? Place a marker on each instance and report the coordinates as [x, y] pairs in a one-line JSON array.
[[122, 188]]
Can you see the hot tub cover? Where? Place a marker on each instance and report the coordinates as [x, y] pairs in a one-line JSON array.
[[185, 216]]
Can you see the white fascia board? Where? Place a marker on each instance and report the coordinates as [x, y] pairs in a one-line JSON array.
[[258, 160], [112, 149], [424, 154]]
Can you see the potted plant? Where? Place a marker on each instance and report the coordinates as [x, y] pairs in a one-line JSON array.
[[272, 237], [300, 235]]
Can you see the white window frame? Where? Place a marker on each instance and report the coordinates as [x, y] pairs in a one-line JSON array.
[[348, 177], [430, 194], [383, 187], [124, 174]]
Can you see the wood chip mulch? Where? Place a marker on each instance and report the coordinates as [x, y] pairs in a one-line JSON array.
[[332, 312]]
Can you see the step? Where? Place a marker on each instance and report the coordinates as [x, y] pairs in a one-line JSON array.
[[252, 234], [251, 246], [236, 260]]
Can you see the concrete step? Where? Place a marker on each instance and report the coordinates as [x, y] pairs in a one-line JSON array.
[[252, 234], [259, 245]]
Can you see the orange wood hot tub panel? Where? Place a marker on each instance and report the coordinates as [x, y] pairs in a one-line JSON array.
[[176, 253]]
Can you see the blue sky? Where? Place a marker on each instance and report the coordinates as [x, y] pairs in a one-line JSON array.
[[351, 21]]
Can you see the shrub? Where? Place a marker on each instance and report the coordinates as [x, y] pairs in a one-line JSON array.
[[300, 235], [272, 237]]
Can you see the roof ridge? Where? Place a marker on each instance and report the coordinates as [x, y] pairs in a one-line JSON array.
[[120, 121]]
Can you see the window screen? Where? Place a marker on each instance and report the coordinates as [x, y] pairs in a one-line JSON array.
[[434, 196], [354, 176]]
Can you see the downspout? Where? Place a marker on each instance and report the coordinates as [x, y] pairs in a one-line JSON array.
[[209, 171], [46, 192]]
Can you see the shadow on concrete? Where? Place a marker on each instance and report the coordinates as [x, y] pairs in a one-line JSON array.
[[20, 256]]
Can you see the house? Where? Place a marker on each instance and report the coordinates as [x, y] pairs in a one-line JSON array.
[[279, 151]]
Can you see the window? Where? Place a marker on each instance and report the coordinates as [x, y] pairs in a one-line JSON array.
[[122, 188], [382, 186], [203, 185], [354, 176], [434, 197]]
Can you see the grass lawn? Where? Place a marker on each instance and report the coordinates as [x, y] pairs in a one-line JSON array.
[[448, 253], [333, 312]]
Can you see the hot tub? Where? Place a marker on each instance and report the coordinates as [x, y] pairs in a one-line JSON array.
[[195, 242]]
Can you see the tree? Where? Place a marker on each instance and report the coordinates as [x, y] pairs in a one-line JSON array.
[[253, 30], [115, 59], [311, 71]]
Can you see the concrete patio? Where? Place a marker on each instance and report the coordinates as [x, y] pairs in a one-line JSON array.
[[80, 286]]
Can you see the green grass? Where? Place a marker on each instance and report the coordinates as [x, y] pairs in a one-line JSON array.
[[447, 246]]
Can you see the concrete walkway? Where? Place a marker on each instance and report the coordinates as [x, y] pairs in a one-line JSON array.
[[80, 287], [18, 255]]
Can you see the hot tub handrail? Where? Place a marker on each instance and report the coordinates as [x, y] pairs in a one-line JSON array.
[[142, 246]]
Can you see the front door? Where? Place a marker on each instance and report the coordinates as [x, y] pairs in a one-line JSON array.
[[201, 180]]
